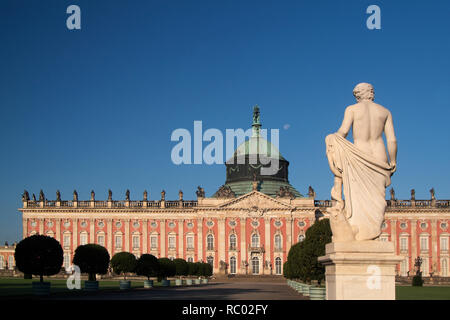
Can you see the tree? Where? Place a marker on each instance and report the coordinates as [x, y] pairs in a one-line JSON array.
[[302, 260], [123, 262], [147, 266], [198, 268], [167, 268], [181, 267], [92, 259], [317, 236], [39, 255]]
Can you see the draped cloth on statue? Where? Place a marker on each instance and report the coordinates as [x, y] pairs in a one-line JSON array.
[[364, 181]]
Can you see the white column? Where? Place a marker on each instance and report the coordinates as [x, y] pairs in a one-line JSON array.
[[289, 231], [127, 235], [91, 231], [41, 226], [24, 228], [109, 236], [243, 244], [163, 238], [221, 238], [75, 233], [180, 238], [58, 230], [434, 241], [268, 241], [144, 236], [200, 239]]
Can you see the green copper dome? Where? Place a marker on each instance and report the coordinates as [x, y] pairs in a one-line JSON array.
[[245, 167]]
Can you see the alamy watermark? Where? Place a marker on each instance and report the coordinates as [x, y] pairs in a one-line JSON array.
[[258, 149], [74, 280]]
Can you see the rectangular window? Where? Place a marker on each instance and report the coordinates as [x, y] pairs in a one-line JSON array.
[[172, 242], [404, 244], [154, 242], [424, 243], [136, 242], [444, 243], [190, 242], [11, 262], [101, 240], [83, 239], [190, 259], [66, 260], [425, 267], [119, 241], [66, 241]]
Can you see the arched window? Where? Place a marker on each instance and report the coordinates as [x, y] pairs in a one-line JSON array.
[[301, 237], [233, 265], [255, 265], [190, 259], [83, 238], [232, 241], [210, 242], [278, 265], [210, 260], [255, 240], [277, 241]]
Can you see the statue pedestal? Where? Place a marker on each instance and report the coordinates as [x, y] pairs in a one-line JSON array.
[[360, 270]]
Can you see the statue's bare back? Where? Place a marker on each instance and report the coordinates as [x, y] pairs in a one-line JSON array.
[[369, 120]]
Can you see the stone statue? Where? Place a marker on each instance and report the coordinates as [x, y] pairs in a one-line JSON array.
[[109, 195], [34, 197], [413, 194], [75, 195], [127, 195], [58, 196], [311, 192], [25, 196], [163, 195], [225, 192], [92, 195], [361, 168], [284, 192], [200, 192], [432, 194], [256, 115], [180, 195], [145, 195], [41, 196], [392, 194]]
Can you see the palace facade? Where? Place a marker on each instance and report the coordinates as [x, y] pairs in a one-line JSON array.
[[246, 227]]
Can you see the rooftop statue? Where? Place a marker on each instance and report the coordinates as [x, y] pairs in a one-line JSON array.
[[109, 195], [392, 194], [58, 196], [432, 194], [163, 195], [200, 192], [75, 195], [362, 169], [145, 195], [413, 194], [127, 195], [92, 195], [25, 196], [41, 196]]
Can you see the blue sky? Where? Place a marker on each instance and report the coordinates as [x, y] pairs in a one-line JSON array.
[[94, 108]]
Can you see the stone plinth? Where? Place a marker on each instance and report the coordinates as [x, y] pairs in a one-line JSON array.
[[360, 270]]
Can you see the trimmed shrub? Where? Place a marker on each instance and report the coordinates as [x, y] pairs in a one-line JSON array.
[[167, 268], [147, 266], [181, 267], [206, 270], [39, 255], [123, 262], [192, 268], [92, 259]]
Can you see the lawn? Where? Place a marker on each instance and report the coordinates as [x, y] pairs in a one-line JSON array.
[[22, 287], [422, 293]]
